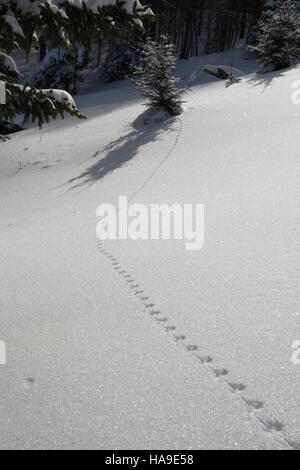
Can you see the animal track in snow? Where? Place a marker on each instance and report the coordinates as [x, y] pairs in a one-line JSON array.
[[154, 312], [220, 372], [149, 305], [191, 347], [170, 327], [179, 338], [254, 404], [204, 359], [161, 319], [236, 387], [272, 425], [293, 444]]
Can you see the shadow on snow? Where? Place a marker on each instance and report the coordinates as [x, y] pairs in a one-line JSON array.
[[122, 150]]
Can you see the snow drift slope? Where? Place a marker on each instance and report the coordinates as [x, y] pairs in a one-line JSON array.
[[88, 365]]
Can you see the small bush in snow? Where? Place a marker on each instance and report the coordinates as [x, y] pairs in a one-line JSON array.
[[156, 80], [278, 44], [123, 58], [58, 69]]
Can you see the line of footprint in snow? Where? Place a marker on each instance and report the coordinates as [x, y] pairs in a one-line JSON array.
[[254, 406]]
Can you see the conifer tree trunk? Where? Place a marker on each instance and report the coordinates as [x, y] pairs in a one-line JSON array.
[[43, 49]]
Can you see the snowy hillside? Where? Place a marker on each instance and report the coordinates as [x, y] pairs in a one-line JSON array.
[[142, 344]]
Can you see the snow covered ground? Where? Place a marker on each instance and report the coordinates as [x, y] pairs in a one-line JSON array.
[[88, 365]]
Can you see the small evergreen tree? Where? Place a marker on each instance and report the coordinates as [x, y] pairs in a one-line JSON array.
[[268, 6], [156, 80], [277, 45], [123, 58]]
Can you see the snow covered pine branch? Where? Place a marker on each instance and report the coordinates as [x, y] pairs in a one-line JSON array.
[[65, 22]]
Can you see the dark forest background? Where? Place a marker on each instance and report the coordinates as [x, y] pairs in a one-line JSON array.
[[204, 26]]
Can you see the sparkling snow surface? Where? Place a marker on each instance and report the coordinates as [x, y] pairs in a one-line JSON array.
[[88, 365]]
